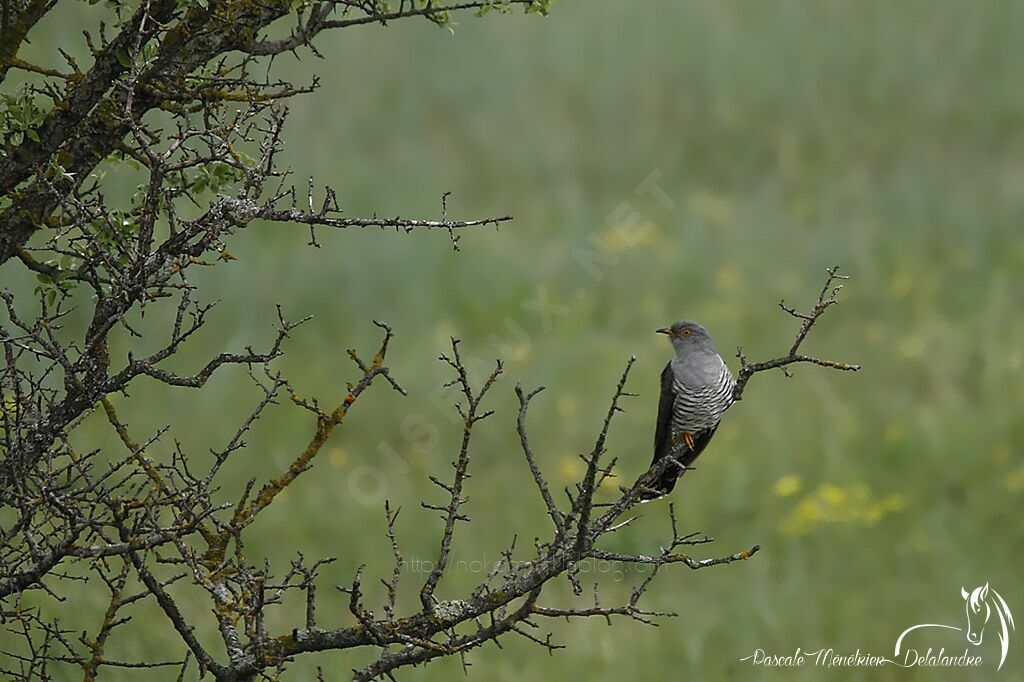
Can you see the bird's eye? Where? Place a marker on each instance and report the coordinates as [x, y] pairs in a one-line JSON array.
[[686, 332]]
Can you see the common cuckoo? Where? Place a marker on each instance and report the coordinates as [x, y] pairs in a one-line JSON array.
[[696, 388]]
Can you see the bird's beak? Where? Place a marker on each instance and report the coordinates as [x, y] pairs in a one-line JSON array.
[[664, 330]]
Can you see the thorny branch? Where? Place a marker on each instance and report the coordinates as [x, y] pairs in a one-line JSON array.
[[212, 553], [826, 299], [148, 522]]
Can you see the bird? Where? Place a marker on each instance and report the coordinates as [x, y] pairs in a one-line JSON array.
[[696, 390]]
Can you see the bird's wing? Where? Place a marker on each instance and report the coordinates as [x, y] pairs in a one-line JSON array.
[[700, 441], [663, 437], [663, 430]]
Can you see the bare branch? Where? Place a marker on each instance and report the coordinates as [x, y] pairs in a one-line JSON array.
[[470, 416], [826, 299], [524, 403]]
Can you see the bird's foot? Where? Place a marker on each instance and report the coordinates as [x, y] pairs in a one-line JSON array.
[[688, 437]]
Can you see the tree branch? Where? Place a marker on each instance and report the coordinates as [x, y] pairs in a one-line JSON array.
[[826, 299]]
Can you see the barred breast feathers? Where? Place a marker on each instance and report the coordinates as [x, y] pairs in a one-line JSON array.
[[701, 407]]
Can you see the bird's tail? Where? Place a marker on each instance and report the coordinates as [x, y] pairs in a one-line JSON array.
[[664, 483], [684, 455]]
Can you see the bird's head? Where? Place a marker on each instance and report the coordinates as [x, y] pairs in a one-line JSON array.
[[687, 336]]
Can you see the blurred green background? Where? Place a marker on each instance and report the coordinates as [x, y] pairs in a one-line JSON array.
[[887, 138]]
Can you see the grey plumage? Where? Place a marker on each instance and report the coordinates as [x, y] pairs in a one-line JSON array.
[[696, 389]]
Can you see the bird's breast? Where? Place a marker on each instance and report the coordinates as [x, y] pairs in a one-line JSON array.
[[700, 401]]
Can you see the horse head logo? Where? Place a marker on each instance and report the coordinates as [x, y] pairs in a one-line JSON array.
[[980, 603], [978, 612]]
